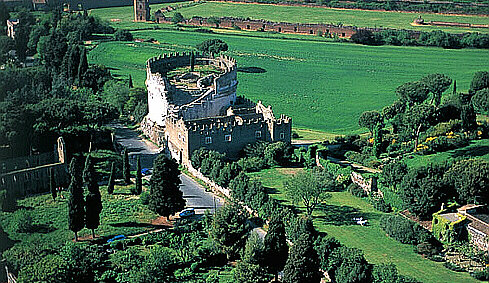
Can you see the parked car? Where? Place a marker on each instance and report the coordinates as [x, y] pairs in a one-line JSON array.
[[146, 171], [187, 213], [116, 238]]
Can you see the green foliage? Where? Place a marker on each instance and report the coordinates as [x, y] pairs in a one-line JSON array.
[[214, 46], [276, 249], [403, 230], [229, 229], [479, 81], [348, 265], [157, 266], [76, 203], [438, 84], [139, 177], [481, 100], [214, 21], [356, 190], [310, 188], [165, 195], [412, 92], [471, 179], [111, 183], [324, 246], [116, 93], [22, 221], [126, 168], [52, 184], [177, 18], [302, 264], [123, 35], [246, 272], [93, 200], [144, 198]]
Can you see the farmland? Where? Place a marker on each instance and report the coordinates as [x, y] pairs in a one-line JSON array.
[[334, 218], [297, 14], [323, 86]]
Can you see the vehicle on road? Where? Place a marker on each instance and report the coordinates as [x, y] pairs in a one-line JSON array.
[[116, 238], [187, 213], [146, 171]]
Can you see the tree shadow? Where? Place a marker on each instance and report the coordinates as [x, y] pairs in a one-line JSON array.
[[472, 151], [341, 215], [42, 228], [137, 224], [251, 70], [271, 190]]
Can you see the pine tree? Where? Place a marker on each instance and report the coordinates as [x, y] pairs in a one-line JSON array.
[[76, 203], [83, 66], [139, 178], [130, 82], [93, 200], [303, 263], [165, 197], [126, 167], [276, 248], [110, 185], [52, 184]]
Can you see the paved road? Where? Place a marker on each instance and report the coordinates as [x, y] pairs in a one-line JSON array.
[[194, 194]]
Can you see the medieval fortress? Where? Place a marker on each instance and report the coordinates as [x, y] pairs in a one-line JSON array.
[[192, 104]]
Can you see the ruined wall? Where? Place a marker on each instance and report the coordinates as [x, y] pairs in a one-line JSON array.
[[213, 100], [280, 27]]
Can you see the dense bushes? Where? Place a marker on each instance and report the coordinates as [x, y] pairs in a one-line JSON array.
[[123, 35], [403, 230]]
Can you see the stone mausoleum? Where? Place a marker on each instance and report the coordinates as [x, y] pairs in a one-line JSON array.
[[192, 104]]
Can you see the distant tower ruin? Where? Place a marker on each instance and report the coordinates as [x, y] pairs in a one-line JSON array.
[[141, 10]]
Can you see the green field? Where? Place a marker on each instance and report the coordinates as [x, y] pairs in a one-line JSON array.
[[296, 14], [335, 217], [323, 86]]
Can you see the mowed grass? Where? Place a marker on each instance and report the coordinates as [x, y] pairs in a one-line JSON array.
[[335, 218], [122, 213], [360, 18], [323, 86]]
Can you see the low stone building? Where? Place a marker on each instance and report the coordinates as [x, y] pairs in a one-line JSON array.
[[193, 109], [469, 222]]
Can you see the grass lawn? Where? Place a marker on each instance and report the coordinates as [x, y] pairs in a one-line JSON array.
[[335, 216], [476, 149], [323, 86], [360, 18], [122, 213]]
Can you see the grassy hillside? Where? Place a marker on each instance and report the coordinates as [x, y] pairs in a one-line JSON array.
[[335, 217], [322, 85], [361, 18]]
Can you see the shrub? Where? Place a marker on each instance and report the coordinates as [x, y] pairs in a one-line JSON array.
[[144, 198], [403, 230], [453, 267], [379, 204], [481, 275], [356, 190], [22, 221], [123, 35], [252, 164]]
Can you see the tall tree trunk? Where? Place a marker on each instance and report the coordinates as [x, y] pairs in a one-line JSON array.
[[93, 233], [76, 236]]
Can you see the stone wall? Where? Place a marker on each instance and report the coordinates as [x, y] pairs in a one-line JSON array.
[[331, 30], [34, 180], [19, 163]]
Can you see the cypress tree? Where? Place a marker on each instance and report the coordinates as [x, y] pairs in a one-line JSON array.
[[165, 197], [110, 185], [71, 62], [303, 263], [76, 203], [454, 87], [93, 200], [126, 170], [83, 66], [130, 82], [192, 61], [276, 248], [139, 178], [52, 184]]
